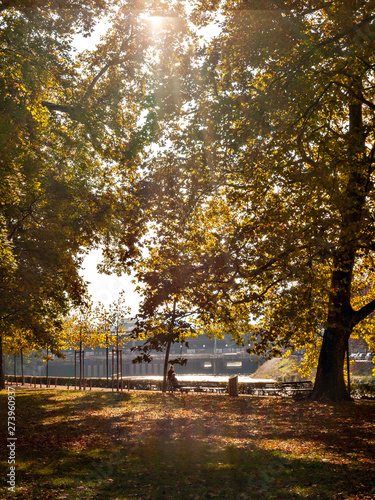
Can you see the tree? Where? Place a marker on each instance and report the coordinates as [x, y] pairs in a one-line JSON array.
[[159, 328], [293, 87], [175, 270], [95, 327], [166, 242], [275, 120], [45, 192], [104, 325], [111, 322], [163, 273], [69, 131], [19, 343], [79, 331]]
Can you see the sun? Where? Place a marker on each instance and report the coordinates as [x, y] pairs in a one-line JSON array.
[[156, 21]]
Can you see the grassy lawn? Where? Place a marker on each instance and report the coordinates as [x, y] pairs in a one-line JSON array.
[[96, 445]]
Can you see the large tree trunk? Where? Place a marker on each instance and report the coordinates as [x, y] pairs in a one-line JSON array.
[[329, 381]]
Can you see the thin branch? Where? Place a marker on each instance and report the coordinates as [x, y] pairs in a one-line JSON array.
[[9, 315], [305, 158], [29, 213], [318, 46], [339, 36], [259, 296], [95, 80], [312, 106]]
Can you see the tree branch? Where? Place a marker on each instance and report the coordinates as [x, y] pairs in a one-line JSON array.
[[28, 213], [74, 112], [305, 158], [306, 56], [354, 94], [313, 106], [94, 81], [362, 313], [63, 108], [9, 315], [349, 31]]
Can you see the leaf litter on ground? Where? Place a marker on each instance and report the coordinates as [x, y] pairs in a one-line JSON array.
[[152, 445]]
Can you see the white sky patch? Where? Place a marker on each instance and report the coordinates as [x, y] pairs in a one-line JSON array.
[[90, 42], [211, 30], [156, 21], [106, 288]]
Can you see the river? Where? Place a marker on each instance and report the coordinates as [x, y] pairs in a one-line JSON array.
[[202, 378]]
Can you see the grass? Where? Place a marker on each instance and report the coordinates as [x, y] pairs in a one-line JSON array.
[[279, 369], [97, 445]]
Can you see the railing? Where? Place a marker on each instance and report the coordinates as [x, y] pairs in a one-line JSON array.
[[255, 388]]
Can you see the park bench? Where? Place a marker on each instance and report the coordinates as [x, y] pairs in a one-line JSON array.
[[300, 388], [211, 388], [218, 389], [186, 388], [181, 388], [264, 389]]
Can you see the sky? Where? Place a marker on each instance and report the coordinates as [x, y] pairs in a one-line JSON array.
[[106, 288]]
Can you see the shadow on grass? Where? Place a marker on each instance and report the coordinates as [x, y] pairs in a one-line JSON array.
[[120, 446], [155, 469], [181, 471]]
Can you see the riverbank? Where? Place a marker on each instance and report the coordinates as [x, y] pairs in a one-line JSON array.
[[280, 369]]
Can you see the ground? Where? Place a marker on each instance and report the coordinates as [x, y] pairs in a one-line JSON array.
[[73, 445]]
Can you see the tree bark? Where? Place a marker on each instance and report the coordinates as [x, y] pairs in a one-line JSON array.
[[107, 360], [171, 327], [80, 365], [329, 382], [166, 359], [22, 373]]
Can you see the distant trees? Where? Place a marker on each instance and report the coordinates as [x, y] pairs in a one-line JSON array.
[[111, 326], [19, 343], [158, 332]]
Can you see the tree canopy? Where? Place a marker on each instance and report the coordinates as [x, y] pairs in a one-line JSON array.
[[40, 221], [271, 138], [67, 119], [299, 82]]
